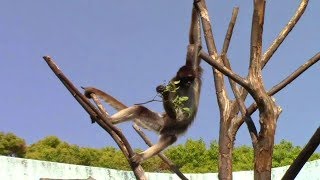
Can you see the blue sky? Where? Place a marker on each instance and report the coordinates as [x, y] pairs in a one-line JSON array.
[[127, 48]]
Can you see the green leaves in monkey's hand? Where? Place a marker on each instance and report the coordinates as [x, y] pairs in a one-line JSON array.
[[179, 101], [172, 86], [179, 105]]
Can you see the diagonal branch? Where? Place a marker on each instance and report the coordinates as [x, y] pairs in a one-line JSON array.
[[284, 33], [225, 48], [98, 117], [303, 156], [227, 72], [295, 74], [275, 89], [250, 124], [229, 33], [245, 115]]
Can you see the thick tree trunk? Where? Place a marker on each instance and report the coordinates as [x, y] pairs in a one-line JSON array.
[[263, 148], [226, 144], [263, 158]]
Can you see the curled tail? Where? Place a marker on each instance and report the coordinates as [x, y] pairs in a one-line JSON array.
[[104, 96]]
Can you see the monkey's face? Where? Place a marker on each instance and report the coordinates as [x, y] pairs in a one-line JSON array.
[[186, 75], [186, 81]]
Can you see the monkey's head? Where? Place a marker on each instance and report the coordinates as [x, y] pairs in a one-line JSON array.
[[186, 75]]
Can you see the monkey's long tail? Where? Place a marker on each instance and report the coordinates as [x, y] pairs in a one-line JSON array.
[[113, 102]]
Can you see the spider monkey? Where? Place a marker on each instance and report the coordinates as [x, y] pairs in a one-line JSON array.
[[173, 121]]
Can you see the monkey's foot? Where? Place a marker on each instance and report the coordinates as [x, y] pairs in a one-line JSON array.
[[137, 158]]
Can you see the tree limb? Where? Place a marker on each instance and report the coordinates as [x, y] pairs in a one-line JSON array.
[[275, 89], [227, 72], [220, 87], [303, 156], [284, 33], [98, 117], [229, 33]]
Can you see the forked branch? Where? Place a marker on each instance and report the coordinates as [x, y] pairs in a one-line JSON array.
[[275, 89], [251, 127]]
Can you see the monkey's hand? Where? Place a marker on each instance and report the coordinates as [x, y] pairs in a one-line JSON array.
[[160, 89], [137, 158]]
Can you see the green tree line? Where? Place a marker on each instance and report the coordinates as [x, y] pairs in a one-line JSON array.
[[192, 157]]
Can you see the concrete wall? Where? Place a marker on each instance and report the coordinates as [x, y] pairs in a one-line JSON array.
[[27, 169]]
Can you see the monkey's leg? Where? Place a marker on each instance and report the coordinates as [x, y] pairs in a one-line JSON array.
[[141, 115], [164, 141]]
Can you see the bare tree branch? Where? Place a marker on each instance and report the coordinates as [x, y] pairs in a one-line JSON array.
[[94, 113], [284, 33], [295, 74], [303, 156], [275, 89], [256, 39], [250, 124], [235, 77], [229, 33], [222, 95], [251, 127], [225, 48], [206, 24], [268, 54]]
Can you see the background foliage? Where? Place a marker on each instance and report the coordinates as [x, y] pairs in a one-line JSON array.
[[192, 157]]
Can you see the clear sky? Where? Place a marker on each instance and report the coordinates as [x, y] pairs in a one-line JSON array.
[[127, 48]]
